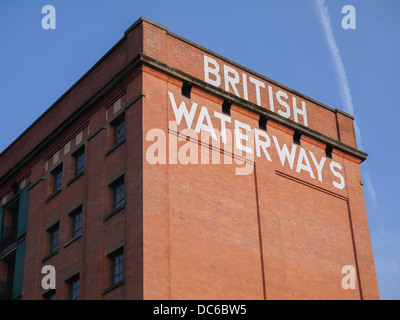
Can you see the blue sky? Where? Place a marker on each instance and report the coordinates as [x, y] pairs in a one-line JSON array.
[[284, 40]]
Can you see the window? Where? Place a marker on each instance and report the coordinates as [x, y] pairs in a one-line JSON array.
[[76, 223], [57, 178], [10, 222], [6, 286], [186, 89], [50, 295], [117, 266], [118, 193], [73, 287], [297, 137], [118, 126], [79, 161], [226, 107], [328, 151], [15, 188], [53, 237], [262, 123]]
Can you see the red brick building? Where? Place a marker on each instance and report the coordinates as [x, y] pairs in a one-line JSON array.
[[170, 172]]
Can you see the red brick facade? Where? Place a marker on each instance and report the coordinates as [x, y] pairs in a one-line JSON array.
[[189, 231]]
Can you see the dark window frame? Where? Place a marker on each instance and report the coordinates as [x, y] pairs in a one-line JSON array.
[[76, 222], [54, 234], [119, 129], [56, 175], [50, 294], [73, 287], [118, 193], [79, 161], [116, 266]]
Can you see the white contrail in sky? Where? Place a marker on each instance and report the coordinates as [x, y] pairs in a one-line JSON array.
[[371, 188], [345, 94]]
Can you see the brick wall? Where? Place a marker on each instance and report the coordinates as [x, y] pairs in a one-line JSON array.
[[189, 231]]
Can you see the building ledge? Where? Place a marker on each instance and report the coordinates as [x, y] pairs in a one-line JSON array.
[[72, 240], [53, 195], [115, 146], [50, 255], [75, 177], [182, 76], [109, 215], [112, 287]]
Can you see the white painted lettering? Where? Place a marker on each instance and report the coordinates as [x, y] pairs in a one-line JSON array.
[[334, 165], [284, 153], [213, 71], [239, 136], [283, 103], [262, 144], [258, 84], [182, 111], [233, 81]]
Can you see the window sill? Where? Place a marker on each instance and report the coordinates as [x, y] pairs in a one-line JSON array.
[[50, 255], [53, 195], [112, 287], [113, 212], [72, 240], [115, 146], [75, 177]]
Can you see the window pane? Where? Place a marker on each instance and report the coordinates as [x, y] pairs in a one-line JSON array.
[[74, 289], [119, 199], [119, 131], [118, 194], [77, 224], [51, 295], [54, 233], [57, 179], [117, 268], [79, 162]]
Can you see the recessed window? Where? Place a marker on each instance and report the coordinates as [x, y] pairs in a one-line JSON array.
[[53, 238], [7, 273], [79, 161], [118, 193], [76, 223], [186, 89], [297, 137], [57, 178], [116, 266], [328, 151], [73, 287], [15, 187], [118, 126], [50, 295], [10, 220], [262, 123], [226, 107]]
